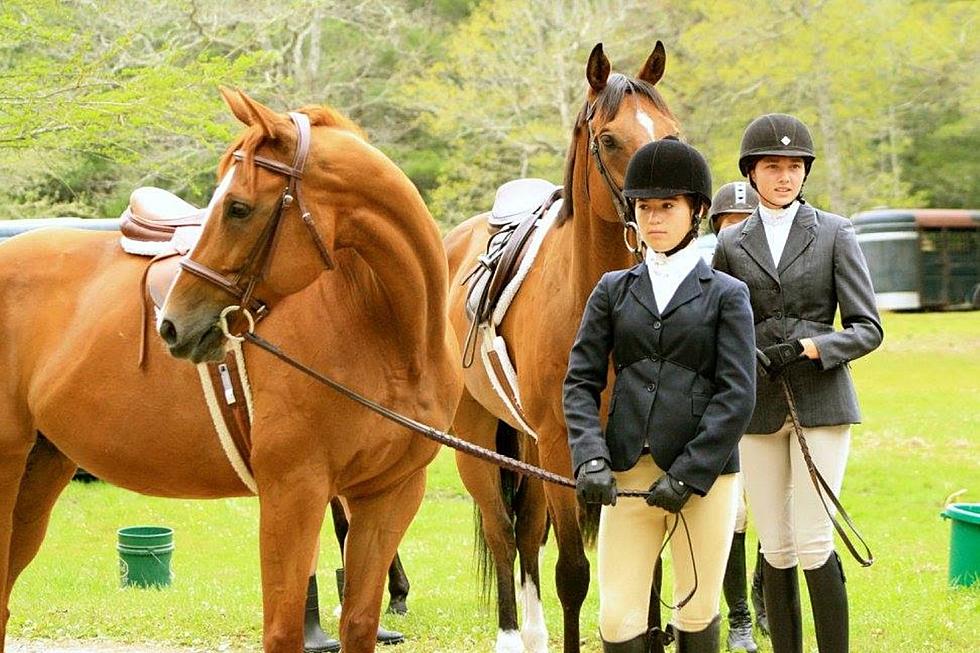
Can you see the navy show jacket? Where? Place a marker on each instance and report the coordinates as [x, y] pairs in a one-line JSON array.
[[685, 378]]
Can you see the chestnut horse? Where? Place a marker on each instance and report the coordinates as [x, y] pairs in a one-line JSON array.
[[70, 324], [620, 115]]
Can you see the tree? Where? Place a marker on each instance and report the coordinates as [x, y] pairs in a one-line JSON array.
[[505, 96]]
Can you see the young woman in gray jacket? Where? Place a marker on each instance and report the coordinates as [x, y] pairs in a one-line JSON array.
[[801, 266]]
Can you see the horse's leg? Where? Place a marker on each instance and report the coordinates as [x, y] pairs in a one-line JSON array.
[[398, 585], [377, 524], [483, 481], [291, 510], [572, 569], [16, 443], [48, 472], [532, 519]]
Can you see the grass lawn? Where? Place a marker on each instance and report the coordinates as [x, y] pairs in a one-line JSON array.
[[920, 443]]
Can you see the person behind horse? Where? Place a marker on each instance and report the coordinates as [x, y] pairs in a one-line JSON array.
[[731, 205], [682, 343], [801, 266]]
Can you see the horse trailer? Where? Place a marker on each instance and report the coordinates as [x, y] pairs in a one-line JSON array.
[[10, 228], [922, 258]]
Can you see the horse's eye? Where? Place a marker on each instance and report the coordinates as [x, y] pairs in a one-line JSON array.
[[608, 141], [238, 210]]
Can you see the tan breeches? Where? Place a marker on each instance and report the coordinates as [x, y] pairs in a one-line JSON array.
[[793, 525], [742, 513], [630, 535]]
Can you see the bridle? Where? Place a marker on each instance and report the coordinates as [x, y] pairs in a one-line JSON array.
[[620, 203], [241, 285]]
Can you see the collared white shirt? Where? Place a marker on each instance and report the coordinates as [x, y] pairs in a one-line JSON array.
[[777, 223], [667, 272]]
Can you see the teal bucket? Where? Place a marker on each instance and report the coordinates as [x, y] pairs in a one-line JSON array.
[[144, 556], [964, 543]]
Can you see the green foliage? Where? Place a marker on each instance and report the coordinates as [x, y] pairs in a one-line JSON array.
[[918, 444], [97, 98]]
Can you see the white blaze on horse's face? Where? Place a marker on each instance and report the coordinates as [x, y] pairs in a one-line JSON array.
[[647, 122], [216, 200], [219, 192]]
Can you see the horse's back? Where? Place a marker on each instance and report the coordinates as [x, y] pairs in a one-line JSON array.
[[70, 336], [464, 243]]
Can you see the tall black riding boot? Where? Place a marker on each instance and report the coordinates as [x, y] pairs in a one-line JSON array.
[[782, 592], [758, 602], [703, 641], [314, 639], [739, 617], [828, 598], [385, 637], [639, 644]]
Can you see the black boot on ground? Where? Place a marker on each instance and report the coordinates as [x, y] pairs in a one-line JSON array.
[[314, 639], [385, 637], [828, 599], [782, 593], [639, 644], [739, 618], [703, 641], [758, 601]]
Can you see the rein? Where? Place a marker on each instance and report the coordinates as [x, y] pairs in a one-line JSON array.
[[427, 431], [256, 266], [498, 459], [823, 488]]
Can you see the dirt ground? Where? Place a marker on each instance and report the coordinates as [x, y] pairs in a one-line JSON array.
[[47, 646]]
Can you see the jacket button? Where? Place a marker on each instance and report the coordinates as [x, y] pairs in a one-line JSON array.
[[651, 387], [656, 325]]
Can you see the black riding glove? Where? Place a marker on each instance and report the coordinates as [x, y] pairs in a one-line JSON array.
[[780, 356], [594, 483], [669, 493]]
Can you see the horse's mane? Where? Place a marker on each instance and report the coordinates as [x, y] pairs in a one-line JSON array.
[[253, 137], [618, 86]]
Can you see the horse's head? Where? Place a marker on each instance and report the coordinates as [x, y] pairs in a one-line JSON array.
[[621, 114], [266, 234]]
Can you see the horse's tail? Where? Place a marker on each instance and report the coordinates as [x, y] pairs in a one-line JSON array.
[[589, 523], [508, 444]]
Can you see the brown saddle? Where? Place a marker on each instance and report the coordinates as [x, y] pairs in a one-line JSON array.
[[506, 249], [154, 214]]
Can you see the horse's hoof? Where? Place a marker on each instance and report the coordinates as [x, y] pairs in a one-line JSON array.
[[397, 606]]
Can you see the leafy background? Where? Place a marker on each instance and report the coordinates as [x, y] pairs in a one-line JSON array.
[[97, 98]]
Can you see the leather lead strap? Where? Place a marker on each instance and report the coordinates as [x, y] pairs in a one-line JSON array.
[[429, 432], [823, 488]]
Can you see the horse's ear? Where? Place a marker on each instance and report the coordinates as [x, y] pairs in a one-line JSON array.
[[262, 116], [598, 68], [238, 107], [653, 69]]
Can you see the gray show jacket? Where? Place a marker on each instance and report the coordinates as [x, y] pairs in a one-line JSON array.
[[685, 378], [821, 268]]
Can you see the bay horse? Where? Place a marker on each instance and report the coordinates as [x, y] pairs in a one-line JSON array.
[[620, 115], [70, 312]]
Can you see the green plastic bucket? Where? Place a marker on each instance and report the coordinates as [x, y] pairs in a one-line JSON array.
[[964, 543], [144, 556]]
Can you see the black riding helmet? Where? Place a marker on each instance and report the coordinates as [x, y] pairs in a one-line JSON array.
[[733, 197], [668, 167], [775, 134]]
